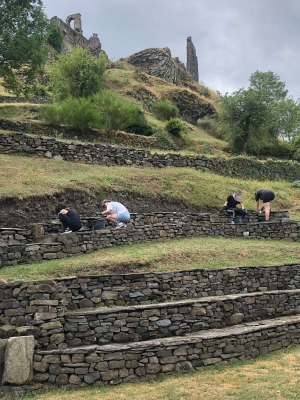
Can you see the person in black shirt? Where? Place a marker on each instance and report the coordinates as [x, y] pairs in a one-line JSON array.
[[233, 200], [266, 196], [69, 218]]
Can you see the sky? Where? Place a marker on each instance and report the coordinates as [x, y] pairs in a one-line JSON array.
[[232, 38]]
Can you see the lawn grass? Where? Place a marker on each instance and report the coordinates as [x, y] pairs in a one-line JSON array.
[[179, 254], [275, 376]]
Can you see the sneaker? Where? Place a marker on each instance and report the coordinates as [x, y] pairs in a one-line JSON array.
[[66, 231], [120, 225]]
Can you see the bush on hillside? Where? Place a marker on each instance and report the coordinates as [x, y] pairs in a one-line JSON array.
[[175, 127], [79, 113], [274, 149], [35, 90], [164, 110], [204, 91], [145, 130], [209, 125], [118, 113]]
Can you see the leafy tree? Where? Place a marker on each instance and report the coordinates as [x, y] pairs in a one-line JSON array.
[[22, 37], [288, 112], [77, 74], [254, 117], [54, 37]]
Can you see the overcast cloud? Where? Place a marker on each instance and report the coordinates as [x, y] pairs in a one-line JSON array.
[[233, 38]]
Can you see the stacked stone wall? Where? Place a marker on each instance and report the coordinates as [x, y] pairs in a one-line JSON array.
[[56, 329], [88, 346], [110, 364], [17, 249], [110, 155], [41, 307]]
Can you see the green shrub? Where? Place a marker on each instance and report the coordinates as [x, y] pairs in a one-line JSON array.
[[77, 74], [210, 126], [274, 149], [51, 114], [54, 37], [145, 130], [37, 90], [164, 110], [296, 184], [79, 113], [175, 127], [118, 113], [204, 91]]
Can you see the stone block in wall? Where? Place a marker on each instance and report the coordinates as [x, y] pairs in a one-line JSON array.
[[18, 362], [37, 230], [50, 238]]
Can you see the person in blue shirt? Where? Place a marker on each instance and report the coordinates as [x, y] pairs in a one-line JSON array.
[[116, 213]]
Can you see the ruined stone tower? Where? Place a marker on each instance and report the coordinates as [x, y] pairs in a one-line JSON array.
[[72, 37], [192, 59], [77, 22]]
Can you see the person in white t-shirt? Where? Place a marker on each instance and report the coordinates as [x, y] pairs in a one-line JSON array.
[[116, 213]]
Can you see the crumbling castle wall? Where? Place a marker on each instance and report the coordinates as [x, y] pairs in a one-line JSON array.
[[192, 59], [74, 37]]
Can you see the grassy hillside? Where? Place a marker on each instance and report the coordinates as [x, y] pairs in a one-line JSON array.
[[24, 176], [130, 83]]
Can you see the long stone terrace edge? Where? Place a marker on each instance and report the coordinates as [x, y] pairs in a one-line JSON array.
[[18, 246], [95, 153]]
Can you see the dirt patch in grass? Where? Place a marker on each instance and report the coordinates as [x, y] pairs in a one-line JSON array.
[[20, 212]]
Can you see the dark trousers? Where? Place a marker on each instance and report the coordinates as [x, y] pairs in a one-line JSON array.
[[68, 223]]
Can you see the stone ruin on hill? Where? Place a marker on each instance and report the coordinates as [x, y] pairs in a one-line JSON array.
[[192, 59], [72, 37], [154, 61]]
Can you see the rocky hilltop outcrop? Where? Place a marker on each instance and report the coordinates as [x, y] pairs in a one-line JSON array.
[[159, 63]]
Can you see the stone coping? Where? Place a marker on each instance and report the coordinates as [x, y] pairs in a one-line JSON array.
[[199, 301]]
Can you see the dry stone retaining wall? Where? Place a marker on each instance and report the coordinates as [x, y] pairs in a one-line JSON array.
[[17, 249], [111, 364], [147, 322], [109, 155], [140, 323], [39, 308], [155, 359]]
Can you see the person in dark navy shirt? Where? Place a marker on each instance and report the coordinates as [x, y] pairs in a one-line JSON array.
[[233, 200], [266, 196], [69, 218]]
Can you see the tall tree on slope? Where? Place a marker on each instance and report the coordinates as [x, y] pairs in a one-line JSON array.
[[23, 30]]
